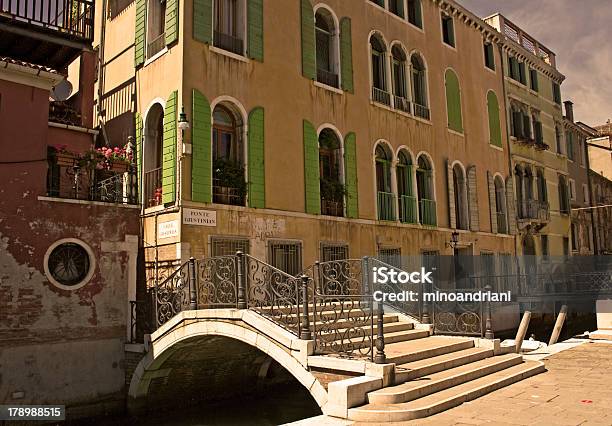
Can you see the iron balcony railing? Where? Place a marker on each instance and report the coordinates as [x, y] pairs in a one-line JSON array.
[[427, 212], [327, 77], [386, 206], [72, 17], [534, 210], [408, 209], [153, 187], [332, 208], [224, 193], [228, 42], [381, 96], [421, 111], [156, 45], [401, 103], [72, 181]]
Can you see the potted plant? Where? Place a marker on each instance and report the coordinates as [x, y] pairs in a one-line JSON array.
[[231, 185]]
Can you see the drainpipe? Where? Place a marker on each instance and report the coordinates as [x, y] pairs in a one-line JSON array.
[[510, 174]]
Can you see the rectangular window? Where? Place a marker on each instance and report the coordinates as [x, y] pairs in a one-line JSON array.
[[381, 3], [572, 188], [156, 23], [522, 73], [544, 240], [228, 246], [565, 246], [574, 235], [533, 80], [556, 89], [331, 252], [415, 16], [448, 30], [391, 256], [489, 56], [513, 68], [286, 256], [569, 137], [585, 193]]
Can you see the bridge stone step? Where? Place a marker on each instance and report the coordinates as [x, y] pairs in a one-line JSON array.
[[429, 347], [445, 379], [444, 399], [416, 369]]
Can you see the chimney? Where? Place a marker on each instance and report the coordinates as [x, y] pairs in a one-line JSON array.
[[569, 110]]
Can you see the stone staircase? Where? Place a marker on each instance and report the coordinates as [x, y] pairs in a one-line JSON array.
[[433, 373]]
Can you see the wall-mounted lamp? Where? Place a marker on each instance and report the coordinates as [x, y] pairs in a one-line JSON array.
[[454, 241], [183, 124]]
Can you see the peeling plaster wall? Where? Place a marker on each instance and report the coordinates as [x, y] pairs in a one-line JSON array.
[[59, 346]]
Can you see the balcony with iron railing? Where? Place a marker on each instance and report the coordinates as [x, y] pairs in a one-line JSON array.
[[46, 32], [408, 209], [156, 45], [69, 178], [421, 111], [153, 187], [327, 77], [381, 96], [402, 104], [332, 207], [228, 42], [427, 212], [386, 206], [534, 210]]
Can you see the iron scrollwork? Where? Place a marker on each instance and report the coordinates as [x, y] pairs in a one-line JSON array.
[[217, 282], [172, 295]]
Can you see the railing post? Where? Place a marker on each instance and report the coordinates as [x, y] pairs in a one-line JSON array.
[[242, 303], [425, 316], [488, 324], [380, 357], [305, 333], [365, 274], [193, 296]]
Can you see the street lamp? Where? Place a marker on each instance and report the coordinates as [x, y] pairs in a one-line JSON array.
[[454, 241], [183, 124]]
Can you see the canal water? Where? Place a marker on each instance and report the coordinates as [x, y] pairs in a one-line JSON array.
[[283, 404]]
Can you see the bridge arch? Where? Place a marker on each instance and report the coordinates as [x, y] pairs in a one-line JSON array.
[[235, 345]]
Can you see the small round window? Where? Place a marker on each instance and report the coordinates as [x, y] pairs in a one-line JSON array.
[[68, 264]]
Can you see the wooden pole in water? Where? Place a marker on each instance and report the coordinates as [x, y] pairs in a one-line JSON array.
[[522, 331], [558, 325]]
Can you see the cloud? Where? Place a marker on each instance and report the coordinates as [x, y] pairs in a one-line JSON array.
[[579, 33]]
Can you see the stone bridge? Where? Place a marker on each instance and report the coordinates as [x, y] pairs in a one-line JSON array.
[[355, 359]]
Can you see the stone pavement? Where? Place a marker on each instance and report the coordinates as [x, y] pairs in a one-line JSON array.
[[576, 390]]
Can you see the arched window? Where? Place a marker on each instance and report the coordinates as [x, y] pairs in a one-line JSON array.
[[152, 157], [384, 195], [425, 192], [418, 79], [500, 205], [564, 207], [229, 32], [229, 185], [405, 188], [326, 48], [398, 70], [330, 172], [460, 193], [379, 70], [453, 101], [495, 135]]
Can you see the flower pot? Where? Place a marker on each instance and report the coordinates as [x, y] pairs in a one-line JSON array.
[[65, 159], [120, 167]]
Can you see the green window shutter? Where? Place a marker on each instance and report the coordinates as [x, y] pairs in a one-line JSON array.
[[350, 171], [169, 150], [494, 123], [201, 163], [309, 67], [202, 20], [346, 54], [256, 28], [257, 188], [453, 102], [138, 124], [139, 39], [312, 185], [452, 216], [172, 24]]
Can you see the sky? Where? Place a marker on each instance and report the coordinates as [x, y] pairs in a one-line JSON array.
[[579, 32]]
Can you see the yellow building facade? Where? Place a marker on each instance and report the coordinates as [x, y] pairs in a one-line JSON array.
[[311, 130]]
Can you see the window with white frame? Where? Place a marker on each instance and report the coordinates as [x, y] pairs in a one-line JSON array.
[[156, 27], [448, 29], [398, 71], [585, 193], [326, 48], [378, 51], [230, 25], [572, 189]]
